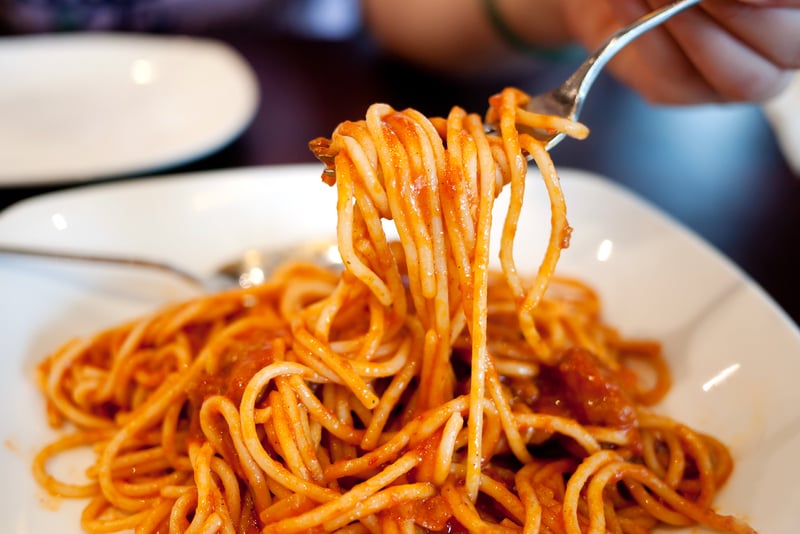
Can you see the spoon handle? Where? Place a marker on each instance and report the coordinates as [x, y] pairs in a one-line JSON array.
[[126, 261]]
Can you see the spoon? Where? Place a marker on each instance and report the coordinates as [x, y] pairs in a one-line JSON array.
[[251, 269], [567, 99]]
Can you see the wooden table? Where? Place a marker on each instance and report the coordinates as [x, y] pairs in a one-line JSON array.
[[716, 170]]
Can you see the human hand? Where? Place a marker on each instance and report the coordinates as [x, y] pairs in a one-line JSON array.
[[720, 50]]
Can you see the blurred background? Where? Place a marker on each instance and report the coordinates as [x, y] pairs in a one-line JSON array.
[[716, 169]]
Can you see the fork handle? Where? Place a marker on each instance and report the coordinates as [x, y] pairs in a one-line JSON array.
[[107, 259], [577, 86]]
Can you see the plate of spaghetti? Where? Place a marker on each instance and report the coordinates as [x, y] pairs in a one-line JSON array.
[[487, 360]]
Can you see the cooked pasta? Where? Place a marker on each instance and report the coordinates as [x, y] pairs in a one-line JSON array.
[[417, 390]]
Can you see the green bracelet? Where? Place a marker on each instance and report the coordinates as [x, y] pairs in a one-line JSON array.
[[504, 32]]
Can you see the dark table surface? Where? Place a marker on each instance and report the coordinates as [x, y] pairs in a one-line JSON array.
[[715, 169]]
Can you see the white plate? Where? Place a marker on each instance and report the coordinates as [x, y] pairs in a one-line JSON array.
[[82, 106], [734, 355]]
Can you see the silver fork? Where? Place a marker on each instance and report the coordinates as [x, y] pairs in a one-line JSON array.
[[567, 99]]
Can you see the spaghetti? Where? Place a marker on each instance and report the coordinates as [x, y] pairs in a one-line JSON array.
[[418, 390]]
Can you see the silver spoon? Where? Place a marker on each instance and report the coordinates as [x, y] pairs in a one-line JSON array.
[[567, 99], [251, 269]]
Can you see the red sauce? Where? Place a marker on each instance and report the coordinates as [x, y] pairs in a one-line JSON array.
[[432, 513], [243, 358], [583, 388]]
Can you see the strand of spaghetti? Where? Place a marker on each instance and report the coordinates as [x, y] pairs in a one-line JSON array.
[[364, 415], [389, 400], [295, 296], [306, 357], [722, 459], [225, 473], [329, 306], [613, 436], [371, 340], [151, 486], [503, 497], [143, 461], [223, 406], [367, 525], [250, 437], [559, 239], [419, 429], [339, 400], [530, 502], [655, 509], [478, 326], [324, 416], [287, 443], [459, 201], [391, 338], [200, 455], [577, 481], [358, 493], [417, 202], [60, 362], [175, 318], [288, 506], [562, 425], [695, 448], [216, 345], [181, 510], [464, 511], [393, 163], [362, 154], [510, 428], [133, 339], [65, 443], [649, 353], [170, 392], [391, 525], [212, 525], [446, 448], [427, 424], [459, 197], [492, 437], [373, 204], [344, 232], [411, 230], [340, 366], [300, 431], [552, 123], [432, 151], [512, 367], [435, 164], [93, 519], [158, 516], [169, 433], [389, 367], [506, 106], [387, 498], [621, 469]]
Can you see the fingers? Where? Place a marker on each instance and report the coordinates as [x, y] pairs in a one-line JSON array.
[[780, 44], [653, 65], [739, 60], [772, 3], [720, 50]]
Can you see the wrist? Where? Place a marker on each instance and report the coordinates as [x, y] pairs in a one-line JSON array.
[[530, 27]]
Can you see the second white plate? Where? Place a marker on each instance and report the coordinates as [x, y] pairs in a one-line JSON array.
[[77, 107]]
